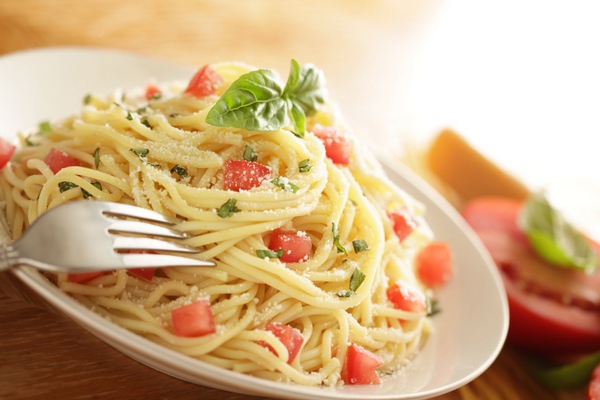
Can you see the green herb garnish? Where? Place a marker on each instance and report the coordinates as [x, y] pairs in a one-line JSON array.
[[146, 123], [256, 101], [336, 239], [356, 279], [87, 194], [87, 99], [433, 306], [304, 165], [228, 208], [45, 127], [141, 152], [250, 154], [66, 185], [553, 238], [97, 157], [182, 172], [129, 117], [269, 253], [360, 245], [285, 184]]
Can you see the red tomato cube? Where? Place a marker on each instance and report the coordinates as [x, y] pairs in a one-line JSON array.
[[402, 223], [6, 151], [296, 246], [405, 296], [360, 365], [244, 175], [57, 159], [337, 144], [193, 320], [205, 82], [290, 337], [434, 264]]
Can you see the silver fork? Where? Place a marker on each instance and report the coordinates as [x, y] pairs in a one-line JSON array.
[[84, 236]]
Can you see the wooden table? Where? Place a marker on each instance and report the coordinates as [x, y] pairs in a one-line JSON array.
[[363, 48]]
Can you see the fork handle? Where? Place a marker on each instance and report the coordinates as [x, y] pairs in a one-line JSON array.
[[8, 256]]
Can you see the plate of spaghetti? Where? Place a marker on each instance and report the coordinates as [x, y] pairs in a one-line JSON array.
[[340, 274]]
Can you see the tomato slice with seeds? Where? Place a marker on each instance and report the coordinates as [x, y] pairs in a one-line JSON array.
[[553, 310]]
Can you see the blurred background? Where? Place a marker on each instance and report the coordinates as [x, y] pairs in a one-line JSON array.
[[519, 80]]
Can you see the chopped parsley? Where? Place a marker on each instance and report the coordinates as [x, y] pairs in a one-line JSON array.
[[228, 208]]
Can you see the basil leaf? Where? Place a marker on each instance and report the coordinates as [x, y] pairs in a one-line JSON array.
[[306, 87], [182, 172], [298, 119], [356, 279], [66, 185], [304, 165], [146, 123], [97, 157], [433, 306], [285, 185], [228, 208], [87, 99], [140, 152], [249, 154], [269, 253], [345, 293], [336, 239], [129, 117], [568, 376], [252, 102], [360, 245], [553, 238]]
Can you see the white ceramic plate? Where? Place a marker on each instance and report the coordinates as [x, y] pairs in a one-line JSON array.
[[50, 83]]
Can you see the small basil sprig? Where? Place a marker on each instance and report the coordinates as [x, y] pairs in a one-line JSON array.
[[553, 238], [256, 101]]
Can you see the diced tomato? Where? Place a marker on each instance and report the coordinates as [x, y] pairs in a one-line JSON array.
[[244, 175], [296, 247], [594, 385], [205, 82], [434, 264], [6, 152], [84, 276], [360, 365], [402, 223], [193, 320], [337, 144], [405, 296], [553, 310], [290, 337], [57, 159], [152, 91], [145, 273]]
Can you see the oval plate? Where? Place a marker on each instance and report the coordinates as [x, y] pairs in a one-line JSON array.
[[50, 83]]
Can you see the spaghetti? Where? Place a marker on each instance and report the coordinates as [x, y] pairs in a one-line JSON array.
[[155, 149]]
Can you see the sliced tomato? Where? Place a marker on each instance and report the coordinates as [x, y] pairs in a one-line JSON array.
[[193, 320], [553, 310], [205, 82], [360, 366], [434, 264], [152, 91], [244, 175], [84, 276], [594, 385], [402, 222], [57, 159], [337, 144], [407, 297], [296, 246], [6, 152], [290, 337]]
